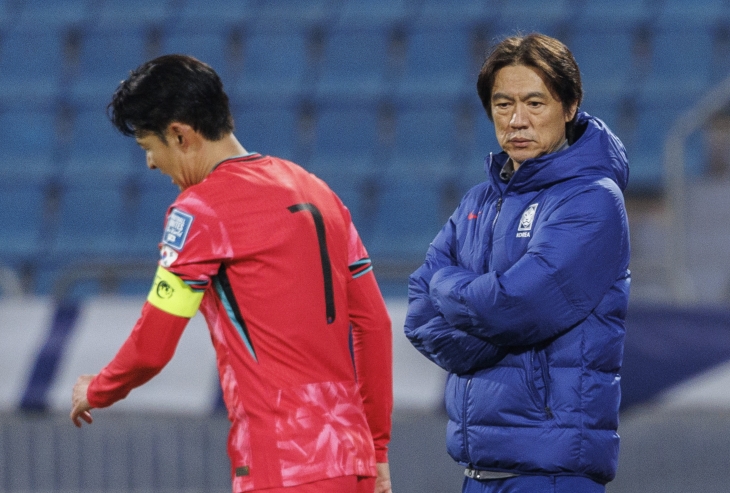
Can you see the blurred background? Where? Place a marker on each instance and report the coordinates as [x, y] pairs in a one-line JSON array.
[[378, 98]]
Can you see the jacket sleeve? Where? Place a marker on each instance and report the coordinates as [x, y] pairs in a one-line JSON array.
[[446, 345], [573, 259]]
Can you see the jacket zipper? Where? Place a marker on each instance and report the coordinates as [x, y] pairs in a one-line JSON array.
[[546, 382], [498, 208]]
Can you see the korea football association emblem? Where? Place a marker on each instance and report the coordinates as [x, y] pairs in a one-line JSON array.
[[167, 256], [523, 230]]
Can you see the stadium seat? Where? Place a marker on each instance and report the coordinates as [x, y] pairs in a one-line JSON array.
[[605, 60], [97, 151], [131, 13], [437, 63], [680, 68], [533, 15], [106, 58], [456, 11], [698, 14], [646, 155], [286, 12], [31, 64], [28, 144], [267, 129], [409, 215], [355, 65], [155, 194], [346, 137], [21, 222], [56, 14], [209, 47], [618, 16], [424, 139], [93, 222], [275, 66], [201, 17], [375, 12]]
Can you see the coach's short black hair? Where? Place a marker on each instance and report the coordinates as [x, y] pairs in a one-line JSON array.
[[171, 88]]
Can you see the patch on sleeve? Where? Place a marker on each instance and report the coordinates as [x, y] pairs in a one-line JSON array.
[[167, 256], [177, 228]]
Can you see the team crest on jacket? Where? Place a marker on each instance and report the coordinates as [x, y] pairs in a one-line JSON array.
[[523, 230]]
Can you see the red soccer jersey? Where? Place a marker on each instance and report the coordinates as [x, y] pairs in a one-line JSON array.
[[285, 279]]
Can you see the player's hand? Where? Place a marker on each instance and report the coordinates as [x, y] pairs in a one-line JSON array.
[[382, 482], [80, 405]]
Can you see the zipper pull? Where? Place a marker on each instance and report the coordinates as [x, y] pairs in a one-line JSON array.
[[499, 204], [549, 412]]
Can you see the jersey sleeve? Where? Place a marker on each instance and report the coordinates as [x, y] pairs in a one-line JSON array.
[[146, 351], [194, 243], [372, 345]]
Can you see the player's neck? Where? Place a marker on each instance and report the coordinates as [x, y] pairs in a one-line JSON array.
[[220, 150]]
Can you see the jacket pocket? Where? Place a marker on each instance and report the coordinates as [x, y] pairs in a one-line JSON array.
[[539, 381]]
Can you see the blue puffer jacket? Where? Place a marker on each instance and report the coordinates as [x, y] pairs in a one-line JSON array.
[[522, 298]]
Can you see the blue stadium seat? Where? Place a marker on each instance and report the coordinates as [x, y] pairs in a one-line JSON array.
[[424, 139], [209, 47], [698, 14], [533, 15], [437, 63], [605, 60], [269, 129], [130, 13], [646, 153], [286, 12], [93, 222], [376, 12], [28, 144], [106, 58], [408, 216], [7, 15], [55, 14], [680, 67], [156, 194], [97, 151], [346, 137], [613, 15], [274, 66], [200, 16], [471, 170], [21, 220], [31, 64], [355, 65], [456, 11]]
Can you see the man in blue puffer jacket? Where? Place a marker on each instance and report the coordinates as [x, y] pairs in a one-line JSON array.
[[523, 294]]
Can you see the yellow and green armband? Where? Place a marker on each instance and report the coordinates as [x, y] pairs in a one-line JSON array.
[[170, 294]]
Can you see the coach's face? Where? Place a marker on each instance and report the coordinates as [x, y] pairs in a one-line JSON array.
[[528, 119]]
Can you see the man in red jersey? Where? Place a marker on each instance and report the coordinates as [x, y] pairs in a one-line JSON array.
[[270, 256]]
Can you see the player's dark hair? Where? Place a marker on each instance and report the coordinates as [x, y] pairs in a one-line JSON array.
[[544, 53], [171, 88]]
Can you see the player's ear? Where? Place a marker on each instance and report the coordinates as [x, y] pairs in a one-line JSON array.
[[181, 134]]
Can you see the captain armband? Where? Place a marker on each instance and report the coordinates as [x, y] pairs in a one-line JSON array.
[[170, 294]]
